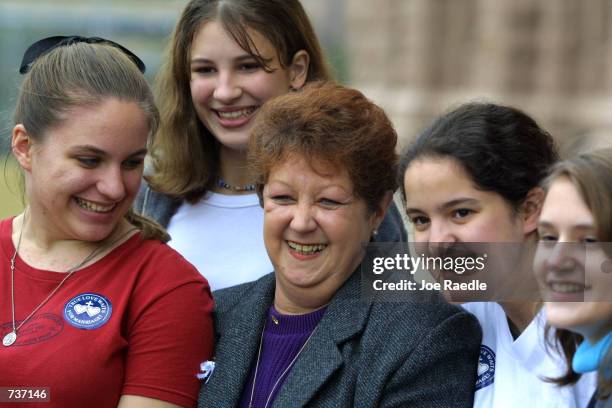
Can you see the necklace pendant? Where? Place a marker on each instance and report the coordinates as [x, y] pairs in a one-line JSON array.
[[9, 339]]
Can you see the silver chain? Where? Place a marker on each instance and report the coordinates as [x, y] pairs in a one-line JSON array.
[[69, 272], [282, 374]]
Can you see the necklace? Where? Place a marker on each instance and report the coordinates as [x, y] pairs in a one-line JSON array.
[[282, 374], [223, 184], [11, 337]]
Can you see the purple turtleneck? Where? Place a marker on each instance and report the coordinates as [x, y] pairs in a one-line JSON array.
[[283, 337]]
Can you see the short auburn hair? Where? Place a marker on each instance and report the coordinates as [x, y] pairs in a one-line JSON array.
[[328, 123]]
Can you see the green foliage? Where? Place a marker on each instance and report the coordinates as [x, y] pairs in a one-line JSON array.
[[10, 189]]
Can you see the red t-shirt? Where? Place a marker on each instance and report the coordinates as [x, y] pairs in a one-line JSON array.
[[136, 322]]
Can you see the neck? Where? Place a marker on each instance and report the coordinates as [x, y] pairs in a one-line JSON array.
[[233, 170], [291, 299], [297, 301], [596, 338], [594, 332], [520, 314], [42, 250], [288, 307]]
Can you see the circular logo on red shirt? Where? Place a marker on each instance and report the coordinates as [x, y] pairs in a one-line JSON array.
[[88, 311]]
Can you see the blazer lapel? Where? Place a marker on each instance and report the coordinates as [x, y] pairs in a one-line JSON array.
[[344, 318], [238, 343]]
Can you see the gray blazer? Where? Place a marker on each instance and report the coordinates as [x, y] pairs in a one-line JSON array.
[[362, 353], [161, 208]]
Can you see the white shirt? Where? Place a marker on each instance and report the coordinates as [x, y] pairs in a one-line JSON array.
[[510, 371], [222, 236]]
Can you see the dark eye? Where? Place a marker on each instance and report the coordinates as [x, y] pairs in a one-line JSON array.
[[328, 202], [249, 66], [590, 240], [204, 70], [462, 213], [88, 162], [419, 220], [132, 164], [282, 199], [548, 238]]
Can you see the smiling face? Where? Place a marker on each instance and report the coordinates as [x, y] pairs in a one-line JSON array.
[[228, 85], [83, 175], [315, 228], [450, 214], [568, 264], [444, 205]]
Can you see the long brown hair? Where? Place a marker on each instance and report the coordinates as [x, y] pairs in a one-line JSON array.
[[185, 154], [83, 74], [591, 174]]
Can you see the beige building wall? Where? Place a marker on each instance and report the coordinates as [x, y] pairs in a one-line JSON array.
[[419, 58]]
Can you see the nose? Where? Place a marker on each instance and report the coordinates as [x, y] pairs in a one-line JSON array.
[[441, 232], [440, 237], [111, 184], [565, 256], [302, 219], [228, 88]]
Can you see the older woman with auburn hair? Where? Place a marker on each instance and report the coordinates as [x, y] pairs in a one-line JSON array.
[[324, 162]]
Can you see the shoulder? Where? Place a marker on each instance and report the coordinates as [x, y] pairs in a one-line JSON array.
[[158, 265], [487, 313], [425, 338], [235, 297], [418, 319], [404, 323], [155, 205], [6, 226], [157, 250]]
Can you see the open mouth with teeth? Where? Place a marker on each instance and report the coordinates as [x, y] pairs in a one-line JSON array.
[[567, 287], [236, 114], [93, 207], [306, 249]]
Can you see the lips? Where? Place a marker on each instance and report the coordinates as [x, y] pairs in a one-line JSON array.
[[565, 291], [235, 113], [93, 206], [306, 249], [566, 287], [235, 117]]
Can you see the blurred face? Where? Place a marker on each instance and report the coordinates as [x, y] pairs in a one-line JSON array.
[[228, 86], [568, 264], [314, 226], [82, 177]]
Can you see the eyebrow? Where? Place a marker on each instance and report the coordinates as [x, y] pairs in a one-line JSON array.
[[548, 224], [95, 150], [241, 58], [449, 204], [287, 184]]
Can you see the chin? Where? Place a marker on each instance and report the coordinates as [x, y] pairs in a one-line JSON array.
[[301, 279], [565, 315], [94, 233]]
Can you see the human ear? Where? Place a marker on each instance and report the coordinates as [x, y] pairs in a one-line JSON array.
[[298, 70], [21, 146], [531, 208]]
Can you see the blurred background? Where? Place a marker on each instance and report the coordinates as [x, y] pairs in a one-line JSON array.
[[416, 58]]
